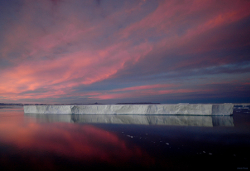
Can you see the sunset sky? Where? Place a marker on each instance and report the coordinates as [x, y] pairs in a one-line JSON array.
[[120, 51]]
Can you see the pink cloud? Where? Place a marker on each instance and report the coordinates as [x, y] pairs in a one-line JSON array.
[[167, 19], [40, 67], [58, 50], [143, 87], [85, 67], [145, 91]]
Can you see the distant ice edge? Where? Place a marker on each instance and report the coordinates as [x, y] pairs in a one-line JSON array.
[[174, 109]]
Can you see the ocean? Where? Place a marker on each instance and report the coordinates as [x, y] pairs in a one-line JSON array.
[[77, 142]]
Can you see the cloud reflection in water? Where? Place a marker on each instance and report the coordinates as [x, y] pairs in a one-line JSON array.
[[44, 145]]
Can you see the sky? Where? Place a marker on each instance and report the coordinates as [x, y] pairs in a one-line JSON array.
[[126, 51]]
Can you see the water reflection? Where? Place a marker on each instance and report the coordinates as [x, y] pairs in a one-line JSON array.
[[58, 142], [174, 120], [43, 145]]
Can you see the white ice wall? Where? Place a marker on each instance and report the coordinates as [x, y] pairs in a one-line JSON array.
[[186, 109], [48, 109]]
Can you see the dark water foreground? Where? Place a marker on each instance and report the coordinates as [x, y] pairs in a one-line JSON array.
[[52, 142]]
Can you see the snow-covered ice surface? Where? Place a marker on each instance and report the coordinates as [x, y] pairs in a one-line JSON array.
[[183, 109]]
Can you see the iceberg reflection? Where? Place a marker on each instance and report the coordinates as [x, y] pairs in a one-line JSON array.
[[174, 120], [61, 146]]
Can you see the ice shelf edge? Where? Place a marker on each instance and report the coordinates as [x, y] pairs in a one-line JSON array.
[[175, 109]]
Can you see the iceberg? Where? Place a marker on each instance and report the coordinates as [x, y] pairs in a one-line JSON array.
[[134, 109]]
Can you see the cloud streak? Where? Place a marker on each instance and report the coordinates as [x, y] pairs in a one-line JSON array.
[[103, 50]]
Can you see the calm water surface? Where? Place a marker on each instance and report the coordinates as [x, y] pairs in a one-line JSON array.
[[52, 142]]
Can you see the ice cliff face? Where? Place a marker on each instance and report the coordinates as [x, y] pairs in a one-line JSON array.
[[48, 109], [183, 109]]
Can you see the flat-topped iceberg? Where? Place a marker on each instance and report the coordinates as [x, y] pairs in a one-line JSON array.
[[158, 109]]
